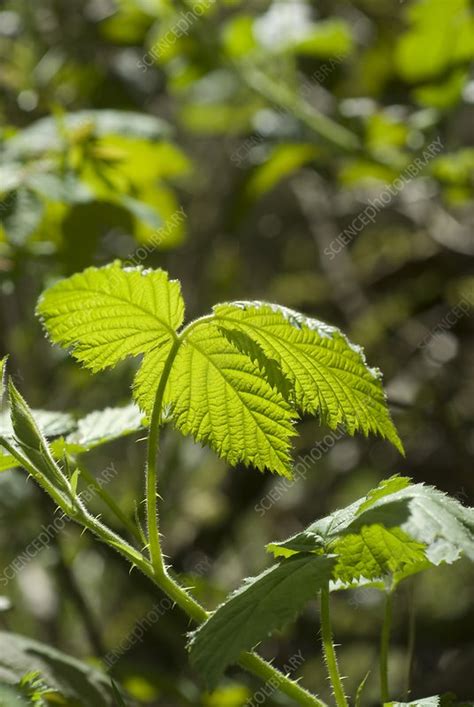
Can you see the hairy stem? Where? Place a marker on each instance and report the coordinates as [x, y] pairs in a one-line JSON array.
[[156, 555], [330, 651], [411, 639], [160, 575], [385, 647], [79, 514], [73, 507]]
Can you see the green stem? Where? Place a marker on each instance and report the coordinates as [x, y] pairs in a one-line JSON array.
[[330, 651], [256, 665], [79, 514], [385, 647], [411, 638], [251, 662], [156, 555]]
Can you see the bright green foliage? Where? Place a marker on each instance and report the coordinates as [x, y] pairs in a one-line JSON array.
[[263, 604], [107, 314], [397, 529], [236, 379], [221, 397], [73, 176], [423, 52], [329, 374]]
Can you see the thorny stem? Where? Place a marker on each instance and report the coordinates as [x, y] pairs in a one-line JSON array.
[[79, 514], [330, 651], [156, 555], [411, 639], [160, 575], [155, 568]]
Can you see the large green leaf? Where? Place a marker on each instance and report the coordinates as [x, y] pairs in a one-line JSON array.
[[262, 605], [221, 397], [236, 379], [329, 374], [107, 314]]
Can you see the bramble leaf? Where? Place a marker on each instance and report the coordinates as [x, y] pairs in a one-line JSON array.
[[262, 605], [106, 314], [329, 374], [218, 395], [236, 379]]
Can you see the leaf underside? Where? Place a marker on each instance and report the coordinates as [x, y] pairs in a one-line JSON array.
[[397, 529]]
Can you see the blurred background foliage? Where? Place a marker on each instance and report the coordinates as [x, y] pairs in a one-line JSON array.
[[235, 143]]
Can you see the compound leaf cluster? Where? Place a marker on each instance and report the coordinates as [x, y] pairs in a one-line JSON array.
[[236, 379]]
